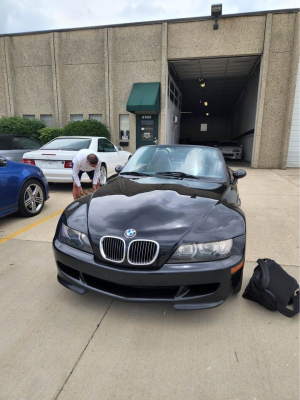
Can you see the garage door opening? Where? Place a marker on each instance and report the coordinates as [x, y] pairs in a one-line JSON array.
[[212, 100]]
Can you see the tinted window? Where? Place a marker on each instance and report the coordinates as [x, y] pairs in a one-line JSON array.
[[67, 144], [23, 143], [105, 146]]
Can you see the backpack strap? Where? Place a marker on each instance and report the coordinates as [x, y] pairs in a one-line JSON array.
[[286, 311], [265, 275]]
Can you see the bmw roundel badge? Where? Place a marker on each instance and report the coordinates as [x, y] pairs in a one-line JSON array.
[[130, 233]]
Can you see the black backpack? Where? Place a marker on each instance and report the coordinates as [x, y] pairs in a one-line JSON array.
[[273, 288]]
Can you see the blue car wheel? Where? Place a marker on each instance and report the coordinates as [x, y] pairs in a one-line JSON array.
[[31, 199]]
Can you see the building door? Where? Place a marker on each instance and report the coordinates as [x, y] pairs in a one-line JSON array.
[[146, 130]]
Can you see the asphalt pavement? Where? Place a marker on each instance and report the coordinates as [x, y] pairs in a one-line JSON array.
[[55, 344]]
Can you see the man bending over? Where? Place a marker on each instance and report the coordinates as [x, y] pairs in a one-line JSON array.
[[89, 162]]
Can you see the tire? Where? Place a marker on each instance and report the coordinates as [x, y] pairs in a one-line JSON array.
[[103, 175], [31, 199]]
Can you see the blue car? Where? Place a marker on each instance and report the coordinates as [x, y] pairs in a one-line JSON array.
[[23, 188]]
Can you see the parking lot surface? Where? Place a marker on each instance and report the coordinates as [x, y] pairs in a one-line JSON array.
[[56, 344]]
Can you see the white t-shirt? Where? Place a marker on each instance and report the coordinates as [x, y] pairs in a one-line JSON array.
[[80, 163]]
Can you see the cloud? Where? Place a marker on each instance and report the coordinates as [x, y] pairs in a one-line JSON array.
[[141, 11], [23, 16]]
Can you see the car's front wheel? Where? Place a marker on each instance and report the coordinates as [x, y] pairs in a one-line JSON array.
[[31, 199], [103, 175]]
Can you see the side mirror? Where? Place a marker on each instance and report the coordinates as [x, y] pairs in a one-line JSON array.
[[118, 169], [239, 173], [3, 162], [119, 148]]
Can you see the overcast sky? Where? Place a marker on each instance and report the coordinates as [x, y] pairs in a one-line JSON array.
[[35, 15]]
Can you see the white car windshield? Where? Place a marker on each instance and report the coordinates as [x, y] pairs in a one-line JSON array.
[[198, 162], [67, 144]]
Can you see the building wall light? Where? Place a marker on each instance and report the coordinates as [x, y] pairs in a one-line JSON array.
[[216, 11], [205, 103]]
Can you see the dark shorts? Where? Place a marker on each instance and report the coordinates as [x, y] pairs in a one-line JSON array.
[[90, 174]]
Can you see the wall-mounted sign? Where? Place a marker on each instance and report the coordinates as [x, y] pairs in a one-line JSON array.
[[124, 135]]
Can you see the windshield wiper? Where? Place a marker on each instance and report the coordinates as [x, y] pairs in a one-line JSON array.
[[178, 175], [135, 173]]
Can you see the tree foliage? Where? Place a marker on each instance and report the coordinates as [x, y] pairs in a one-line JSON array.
[[37, 129], [87, 127], [48, 134], [21, 126]]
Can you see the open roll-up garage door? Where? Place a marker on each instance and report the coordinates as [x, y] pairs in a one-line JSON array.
[[219, 100], [293, 159]]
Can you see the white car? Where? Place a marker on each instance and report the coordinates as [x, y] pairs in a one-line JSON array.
[[230, 149], [55, 157]]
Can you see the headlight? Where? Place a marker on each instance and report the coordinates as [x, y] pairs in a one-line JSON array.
[[74, 238], [196, 252]]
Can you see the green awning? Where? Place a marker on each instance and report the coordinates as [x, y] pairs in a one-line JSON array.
[[144, 97]]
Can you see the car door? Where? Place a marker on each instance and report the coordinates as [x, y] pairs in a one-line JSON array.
[[108, 151], [8, 185]]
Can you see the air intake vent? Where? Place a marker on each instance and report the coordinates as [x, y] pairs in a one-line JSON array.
[[112, 248], [142, 252]]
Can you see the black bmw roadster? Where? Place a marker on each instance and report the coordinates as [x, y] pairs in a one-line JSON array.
[[169, 228]]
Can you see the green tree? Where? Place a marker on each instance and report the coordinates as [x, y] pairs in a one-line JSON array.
[[47, 134], [21, 126], [87, 127]]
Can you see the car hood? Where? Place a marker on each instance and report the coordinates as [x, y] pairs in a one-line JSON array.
[[156, 208], [169, 211]]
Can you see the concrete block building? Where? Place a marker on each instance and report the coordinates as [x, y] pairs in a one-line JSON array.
[[174, 81]]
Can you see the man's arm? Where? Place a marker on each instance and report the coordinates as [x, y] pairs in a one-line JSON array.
[[97, 173], [75, 172]]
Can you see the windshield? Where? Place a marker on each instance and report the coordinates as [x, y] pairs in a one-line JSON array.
[[67, 144], [228, 144], [178, 161]]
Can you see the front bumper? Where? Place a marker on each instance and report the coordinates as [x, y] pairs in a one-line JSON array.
[[191, 286], [233, 156]]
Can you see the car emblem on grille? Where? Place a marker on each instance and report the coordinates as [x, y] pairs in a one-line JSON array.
[[130, 233]]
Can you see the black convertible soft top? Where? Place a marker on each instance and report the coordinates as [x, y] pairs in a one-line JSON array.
[[6, 140]]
